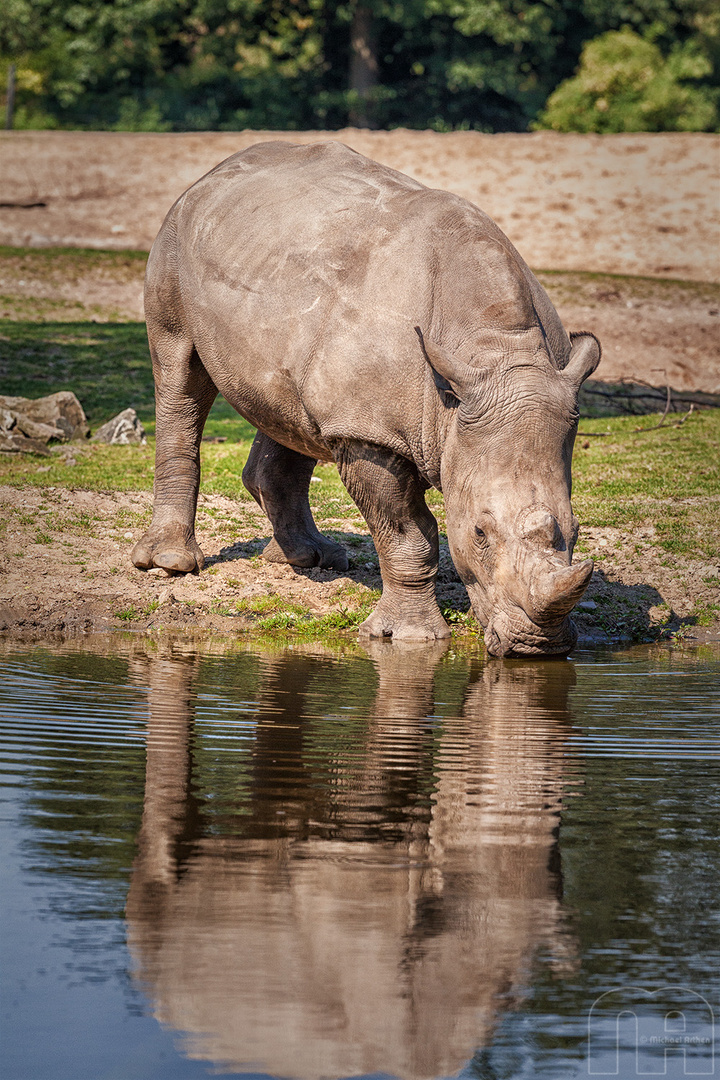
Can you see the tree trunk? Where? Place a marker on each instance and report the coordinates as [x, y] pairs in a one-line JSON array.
[[363, 64], [10, 106]]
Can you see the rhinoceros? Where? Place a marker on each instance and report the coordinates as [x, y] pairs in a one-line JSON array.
[[353, 315]]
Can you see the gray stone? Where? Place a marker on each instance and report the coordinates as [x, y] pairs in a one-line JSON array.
[[34, 430], [12, 443], [586, 605], [56, 416], [123, 430]]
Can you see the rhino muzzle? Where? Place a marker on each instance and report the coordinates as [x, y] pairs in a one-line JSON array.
[[515, 635], [538, 624]]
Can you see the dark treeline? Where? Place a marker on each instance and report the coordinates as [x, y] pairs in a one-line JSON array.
[[488, 65]]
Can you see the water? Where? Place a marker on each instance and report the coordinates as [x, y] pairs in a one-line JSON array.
[[404, 861]]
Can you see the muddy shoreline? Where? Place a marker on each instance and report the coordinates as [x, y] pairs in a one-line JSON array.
[[66, 570]]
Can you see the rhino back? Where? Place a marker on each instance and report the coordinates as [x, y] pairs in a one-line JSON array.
[[303, 270]]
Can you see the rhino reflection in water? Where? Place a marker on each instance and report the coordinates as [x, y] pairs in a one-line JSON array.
[[354, 925]]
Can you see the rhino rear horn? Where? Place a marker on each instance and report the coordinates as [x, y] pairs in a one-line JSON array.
[[460, 378], [585, 356]]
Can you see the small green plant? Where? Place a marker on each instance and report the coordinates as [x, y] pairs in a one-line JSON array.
[[219, 608], [127, 614], [462, 620], [281, 620], [707, 614], [267, 602], [42, 538]]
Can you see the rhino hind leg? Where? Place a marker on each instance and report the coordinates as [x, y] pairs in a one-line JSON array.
[[279, 479], [184, 393], [391, 497]]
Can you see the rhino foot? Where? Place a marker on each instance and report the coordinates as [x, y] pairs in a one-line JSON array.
[[390, 621], [306, 553], [172, 547]]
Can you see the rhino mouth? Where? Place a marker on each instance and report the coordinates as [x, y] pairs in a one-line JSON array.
[[517, 635]]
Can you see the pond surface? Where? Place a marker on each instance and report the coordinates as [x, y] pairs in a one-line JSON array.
[[406, 861]]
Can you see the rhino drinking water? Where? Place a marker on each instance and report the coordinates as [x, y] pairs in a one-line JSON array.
[[353, 315]]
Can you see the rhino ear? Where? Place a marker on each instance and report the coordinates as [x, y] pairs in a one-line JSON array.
[[584, 358], [453, 374]]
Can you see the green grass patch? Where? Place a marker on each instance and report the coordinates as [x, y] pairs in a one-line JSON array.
[[669, 478], [98, 468], [271, 612], [308, 624], [107, 365], [597, 289], [69, 263], [269, 603]]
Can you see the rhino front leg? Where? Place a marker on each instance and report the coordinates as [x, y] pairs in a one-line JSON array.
[[279, 480], [391, 497], [184, 393]]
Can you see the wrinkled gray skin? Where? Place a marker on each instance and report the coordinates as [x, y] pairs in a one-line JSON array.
[[353, 315]]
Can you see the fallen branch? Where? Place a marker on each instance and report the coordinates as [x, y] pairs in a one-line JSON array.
[[663, 418], [638, 430]]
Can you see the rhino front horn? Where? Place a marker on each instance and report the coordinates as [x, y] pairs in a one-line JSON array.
[[555, 593]]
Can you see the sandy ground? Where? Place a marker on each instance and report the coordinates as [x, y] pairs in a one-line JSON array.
[[621, 204], [644, 205]]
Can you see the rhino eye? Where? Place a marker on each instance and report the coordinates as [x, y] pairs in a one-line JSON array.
[[480, 535]]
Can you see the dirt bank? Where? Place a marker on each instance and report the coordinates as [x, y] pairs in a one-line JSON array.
[[66, 568], [622, 204]]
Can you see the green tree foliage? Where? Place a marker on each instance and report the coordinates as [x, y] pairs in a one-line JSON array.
[[624, 83], [295, 64]]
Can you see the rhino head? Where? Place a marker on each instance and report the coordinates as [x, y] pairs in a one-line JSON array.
[[505, 476]]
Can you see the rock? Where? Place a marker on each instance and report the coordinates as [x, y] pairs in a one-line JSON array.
[[18, 423], [11, 443], [123, 430], [33, 430], [57, 416], [17, 432], [586, 605]]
